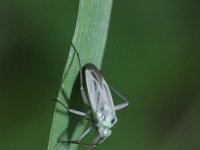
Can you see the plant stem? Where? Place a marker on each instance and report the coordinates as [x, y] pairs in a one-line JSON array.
[[89, 39]]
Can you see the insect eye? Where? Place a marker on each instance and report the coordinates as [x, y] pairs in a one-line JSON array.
[[113, 120]]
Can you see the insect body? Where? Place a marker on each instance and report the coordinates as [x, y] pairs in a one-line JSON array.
[[101, 102], [97, 96]]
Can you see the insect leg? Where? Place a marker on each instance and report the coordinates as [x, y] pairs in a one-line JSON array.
[[81, 77], [124, 104], [73, 111], [95, 141], [84, 134], [80, 138], [79, 113], [79, 143]]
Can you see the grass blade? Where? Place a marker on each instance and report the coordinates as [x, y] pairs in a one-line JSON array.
[[89, 38]]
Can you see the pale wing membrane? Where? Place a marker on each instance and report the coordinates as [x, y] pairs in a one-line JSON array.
[[109, 106], [100, 95], [108, 93], [93, 89]]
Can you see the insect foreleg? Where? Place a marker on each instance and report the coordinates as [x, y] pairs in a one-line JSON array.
[[80, 138], [79, 143], [84, 134], [124, 104]]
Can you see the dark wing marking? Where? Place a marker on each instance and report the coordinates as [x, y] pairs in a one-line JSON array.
[[95, 72]]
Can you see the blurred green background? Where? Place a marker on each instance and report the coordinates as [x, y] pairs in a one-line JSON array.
[[152, 57]]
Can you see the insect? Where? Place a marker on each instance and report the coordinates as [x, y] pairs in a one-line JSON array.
[[97, 96]]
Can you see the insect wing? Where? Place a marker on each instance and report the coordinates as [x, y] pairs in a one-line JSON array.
[[100, 95], [105, 96]]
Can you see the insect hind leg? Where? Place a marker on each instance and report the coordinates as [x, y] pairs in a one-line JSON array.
[[122, 105], [85, 99]]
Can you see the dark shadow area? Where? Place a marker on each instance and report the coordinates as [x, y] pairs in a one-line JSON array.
[[75, 103]]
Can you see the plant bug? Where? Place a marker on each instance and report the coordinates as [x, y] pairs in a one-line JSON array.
[[97, 96]]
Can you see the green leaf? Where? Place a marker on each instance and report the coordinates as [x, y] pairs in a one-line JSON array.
[[89, 39]]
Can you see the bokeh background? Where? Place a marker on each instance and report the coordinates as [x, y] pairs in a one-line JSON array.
[[152, 57]]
